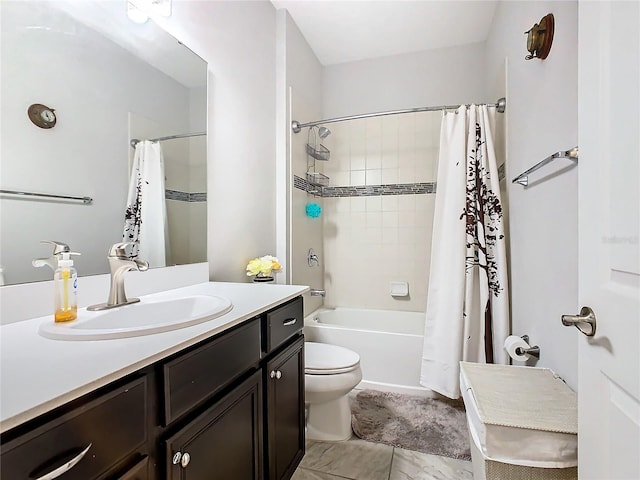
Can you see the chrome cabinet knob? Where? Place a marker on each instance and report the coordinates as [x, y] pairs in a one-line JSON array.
[[176, 458], [585, 321], [277, 374], [186, 458]]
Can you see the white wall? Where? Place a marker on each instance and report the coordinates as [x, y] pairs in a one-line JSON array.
[[86, 153], [434, 77], [542, 119], [237, 39]]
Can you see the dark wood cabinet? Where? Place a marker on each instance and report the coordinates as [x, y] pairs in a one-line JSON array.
[[283, 323], [89, 442], [140, 471], [224, 442], [284, 411], [228, 408], [197, 375]]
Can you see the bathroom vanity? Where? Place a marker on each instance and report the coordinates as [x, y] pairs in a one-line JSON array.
[[220, 400]]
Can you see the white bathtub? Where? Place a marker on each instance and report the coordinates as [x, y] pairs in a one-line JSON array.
[[389, 344]]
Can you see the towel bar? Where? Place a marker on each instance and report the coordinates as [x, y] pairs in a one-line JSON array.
[[523, 178]]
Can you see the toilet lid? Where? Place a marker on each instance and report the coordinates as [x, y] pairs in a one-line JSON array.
[[326, 359]]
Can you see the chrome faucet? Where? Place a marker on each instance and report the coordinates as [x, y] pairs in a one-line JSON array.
[[312, 258], [119, 264], [52, 262], [317, 293]]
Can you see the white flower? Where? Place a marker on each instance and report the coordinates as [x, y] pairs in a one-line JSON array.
[[263, 265]]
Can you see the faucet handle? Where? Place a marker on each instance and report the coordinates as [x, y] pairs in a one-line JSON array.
[[312, 258], [58, 247], [118, 250]]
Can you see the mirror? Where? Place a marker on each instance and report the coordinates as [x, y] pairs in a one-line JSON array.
[[107, 81]]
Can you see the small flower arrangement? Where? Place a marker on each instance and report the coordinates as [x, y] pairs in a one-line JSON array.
[[263, 266]]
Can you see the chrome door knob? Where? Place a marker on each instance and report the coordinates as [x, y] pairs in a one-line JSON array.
[[585, 321]]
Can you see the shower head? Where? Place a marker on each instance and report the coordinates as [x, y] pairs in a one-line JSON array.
[[324, 132]]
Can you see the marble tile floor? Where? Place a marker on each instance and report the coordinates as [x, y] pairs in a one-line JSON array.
[[356, 459]]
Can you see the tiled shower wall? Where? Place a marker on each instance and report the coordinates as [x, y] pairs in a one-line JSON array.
[[371, 239]]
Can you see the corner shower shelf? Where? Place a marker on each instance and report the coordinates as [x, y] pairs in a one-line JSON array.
[[319, 152], [317, 178]]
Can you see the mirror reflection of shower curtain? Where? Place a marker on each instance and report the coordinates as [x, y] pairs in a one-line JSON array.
[[467, 314], [146, 213]]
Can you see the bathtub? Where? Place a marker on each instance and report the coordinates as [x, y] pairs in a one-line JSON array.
[[389, 344]]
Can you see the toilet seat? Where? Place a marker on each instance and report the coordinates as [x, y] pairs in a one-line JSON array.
[[325, 359]]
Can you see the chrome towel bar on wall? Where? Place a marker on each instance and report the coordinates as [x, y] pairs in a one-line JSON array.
[[85, 200], [523, 178]]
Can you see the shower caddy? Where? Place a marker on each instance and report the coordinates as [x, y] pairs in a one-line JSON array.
[[316, 151]]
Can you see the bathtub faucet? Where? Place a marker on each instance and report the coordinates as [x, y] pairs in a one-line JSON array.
[[317, 293]]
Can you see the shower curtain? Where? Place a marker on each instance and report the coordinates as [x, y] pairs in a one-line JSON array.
[[467, 303], [146, 212]]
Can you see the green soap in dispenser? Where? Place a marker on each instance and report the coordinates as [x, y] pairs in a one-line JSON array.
[[65, 285]]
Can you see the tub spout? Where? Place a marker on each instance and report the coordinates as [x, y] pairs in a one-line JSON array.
[[317, 293]]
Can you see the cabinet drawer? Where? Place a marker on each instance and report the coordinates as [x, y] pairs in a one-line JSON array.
[[107, 430], [196, 376], [283, 322]]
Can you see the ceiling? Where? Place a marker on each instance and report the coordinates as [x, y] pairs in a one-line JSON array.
[[146, 41], [351, 30]]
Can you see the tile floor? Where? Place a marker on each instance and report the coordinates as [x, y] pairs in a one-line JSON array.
[[357, 459]]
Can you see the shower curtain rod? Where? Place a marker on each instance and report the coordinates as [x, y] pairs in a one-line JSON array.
[[297, 126], [134, 141]]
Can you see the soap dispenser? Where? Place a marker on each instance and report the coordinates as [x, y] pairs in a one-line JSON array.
[[65, 286]]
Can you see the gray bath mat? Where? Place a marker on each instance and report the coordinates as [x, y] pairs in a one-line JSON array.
[[426, 425]]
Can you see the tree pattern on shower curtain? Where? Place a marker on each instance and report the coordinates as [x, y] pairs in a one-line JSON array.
[[483, 214], [133, 215]]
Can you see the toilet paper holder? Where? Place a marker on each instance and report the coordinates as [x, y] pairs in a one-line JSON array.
[[533, 351]]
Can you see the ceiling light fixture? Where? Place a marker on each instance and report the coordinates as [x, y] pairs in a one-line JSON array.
[[139, 9], [135, 14]]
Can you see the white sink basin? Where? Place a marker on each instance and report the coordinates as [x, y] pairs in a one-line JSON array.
[[149, 316]]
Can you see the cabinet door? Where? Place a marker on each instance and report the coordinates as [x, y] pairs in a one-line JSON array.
[[223, 443], [285, 411]]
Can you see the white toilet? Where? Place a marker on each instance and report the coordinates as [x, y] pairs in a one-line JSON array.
[[331, 372]]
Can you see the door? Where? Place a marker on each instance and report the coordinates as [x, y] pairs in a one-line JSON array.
[[609, 211], [285, 411], [224, 442]]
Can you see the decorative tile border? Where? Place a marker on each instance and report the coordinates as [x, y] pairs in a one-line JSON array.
[[302, 184], [185, 196], [198, 197], [364, 190], [373, 190], [376, 190]]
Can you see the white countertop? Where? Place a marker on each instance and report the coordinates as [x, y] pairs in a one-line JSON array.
[[38, 374]]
